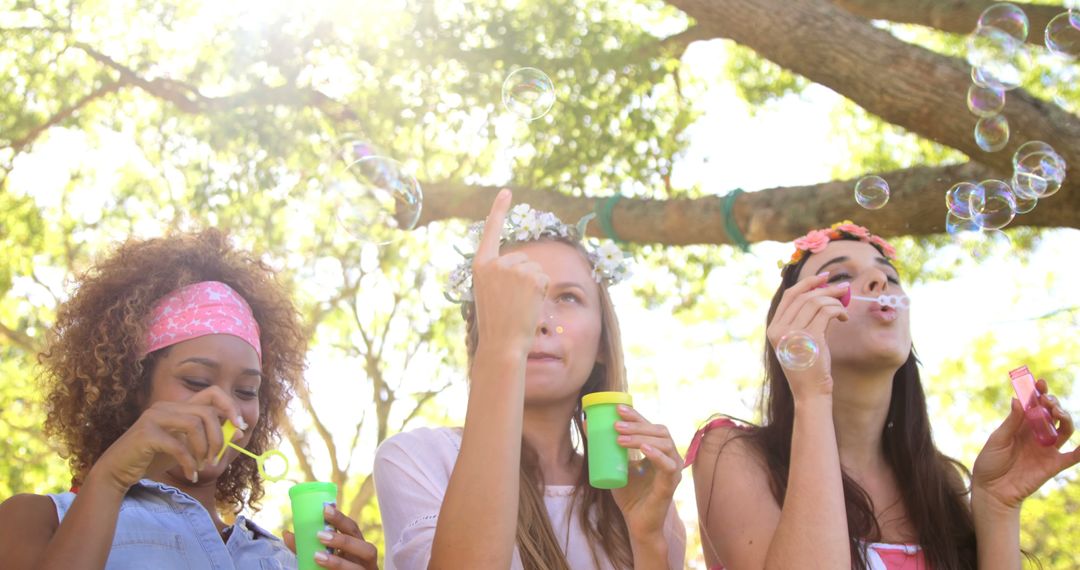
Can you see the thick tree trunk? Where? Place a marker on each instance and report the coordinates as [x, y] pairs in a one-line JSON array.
[[955, 16], [916, 207], [906, 85]]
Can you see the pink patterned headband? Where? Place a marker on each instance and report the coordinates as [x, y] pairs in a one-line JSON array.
[[816, 241], [200, 309]]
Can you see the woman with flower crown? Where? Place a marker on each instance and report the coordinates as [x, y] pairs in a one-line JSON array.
[[843, 472], [510, 489]]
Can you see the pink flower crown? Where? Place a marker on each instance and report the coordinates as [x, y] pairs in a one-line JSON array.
[[816, 241]]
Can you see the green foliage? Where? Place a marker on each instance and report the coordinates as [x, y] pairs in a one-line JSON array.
[[758, 80]]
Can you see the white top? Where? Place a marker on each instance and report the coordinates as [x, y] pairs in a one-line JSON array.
[[412, 471]]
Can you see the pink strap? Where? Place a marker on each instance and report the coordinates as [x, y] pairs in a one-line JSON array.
[[200, 309], [695, 443]]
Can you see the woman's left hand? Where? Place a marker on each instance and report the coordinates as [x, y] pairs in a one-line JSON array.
[[351, 551], [1012, 465], [646, 498]]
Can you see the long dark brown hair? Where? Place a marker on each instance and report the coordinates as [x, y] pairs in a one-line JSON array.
[[930, 482], [601, 520]]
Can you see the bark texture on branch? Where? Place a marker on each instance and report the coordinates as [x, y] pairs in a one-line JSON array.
[[916, 207]]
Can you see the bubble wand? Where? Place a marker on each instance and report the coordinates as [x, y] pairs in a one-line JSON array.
[[228, 429]]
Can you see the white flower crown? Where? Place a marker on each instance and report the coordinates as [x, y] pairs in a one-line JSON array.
[[609, 264]]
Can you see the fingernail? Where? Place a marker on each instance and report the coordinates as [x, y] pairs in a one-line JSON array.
[[844, 284], [195, 477], [620, 425], [322, 557], [215, 462], [646, 448], [325, 535], [623, 439], [624, 408], [823, 274], [328, 510], [240, 423]]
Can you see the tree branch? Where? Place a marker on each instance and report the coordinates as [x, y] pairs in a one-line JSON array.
[[20, 339], [64, 114], [904, 84], [188, 99], [953, 16], [362, 497], [320, 428], [916, 207], [299, 447]]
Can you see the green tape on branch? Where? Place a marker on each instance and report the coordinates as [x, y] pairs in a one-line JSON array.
[[603, 213], [730, 227]]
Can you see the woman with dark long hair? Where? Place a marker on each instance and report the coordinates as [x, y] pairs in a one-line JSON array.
[[843, 472]]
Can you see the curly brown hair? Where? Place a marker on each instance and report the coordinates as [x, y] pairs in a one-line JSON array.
[[96, 380]]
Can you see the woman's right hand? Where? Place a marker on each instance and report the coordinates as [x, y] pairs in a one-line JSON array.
[[508, 288], [809, 307], [169, 433]]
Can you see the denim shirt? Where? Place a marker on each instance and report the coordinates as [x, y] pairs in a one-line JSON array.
[[162, 527]]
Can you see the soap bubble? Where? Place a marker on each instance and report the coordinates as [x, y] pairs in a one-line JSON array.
[[528, 93], [992, 133], [872, 192], [797, 350]]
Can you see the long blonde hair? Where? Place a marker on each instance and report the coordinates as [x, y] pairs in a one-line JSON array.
[[601, 520]]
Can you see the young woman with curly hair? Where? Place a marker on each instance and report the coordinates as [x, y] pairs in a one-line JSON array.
[[159, 345]]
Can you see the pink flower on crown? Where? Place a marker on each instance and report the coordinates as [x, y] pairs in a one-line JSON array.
[[814, 241], [888, 250], [853, 229]]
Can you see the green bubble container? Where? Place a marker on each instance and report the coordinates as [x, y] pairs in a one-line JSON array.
[[308, 501], [607, 459]]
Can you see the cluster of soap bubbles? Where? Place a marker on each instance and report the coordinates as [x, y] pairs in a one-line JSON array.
[[1000, 57], [375, 198], [988, 206]]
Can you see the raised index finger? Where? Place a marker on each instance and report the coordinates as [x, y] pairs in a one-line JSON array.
[[493, 226]]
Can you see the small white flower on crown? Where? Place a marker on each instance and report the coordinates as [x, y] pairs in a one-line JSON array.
[[609, 264]]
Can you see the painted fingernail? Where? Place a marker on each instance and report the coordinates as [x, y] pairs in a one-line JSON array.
[[621, 425], [240, 423], [194, 477], [325, 535], [844, 284], [823, 274], [322, 557], [328, 510], [623, 439]]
